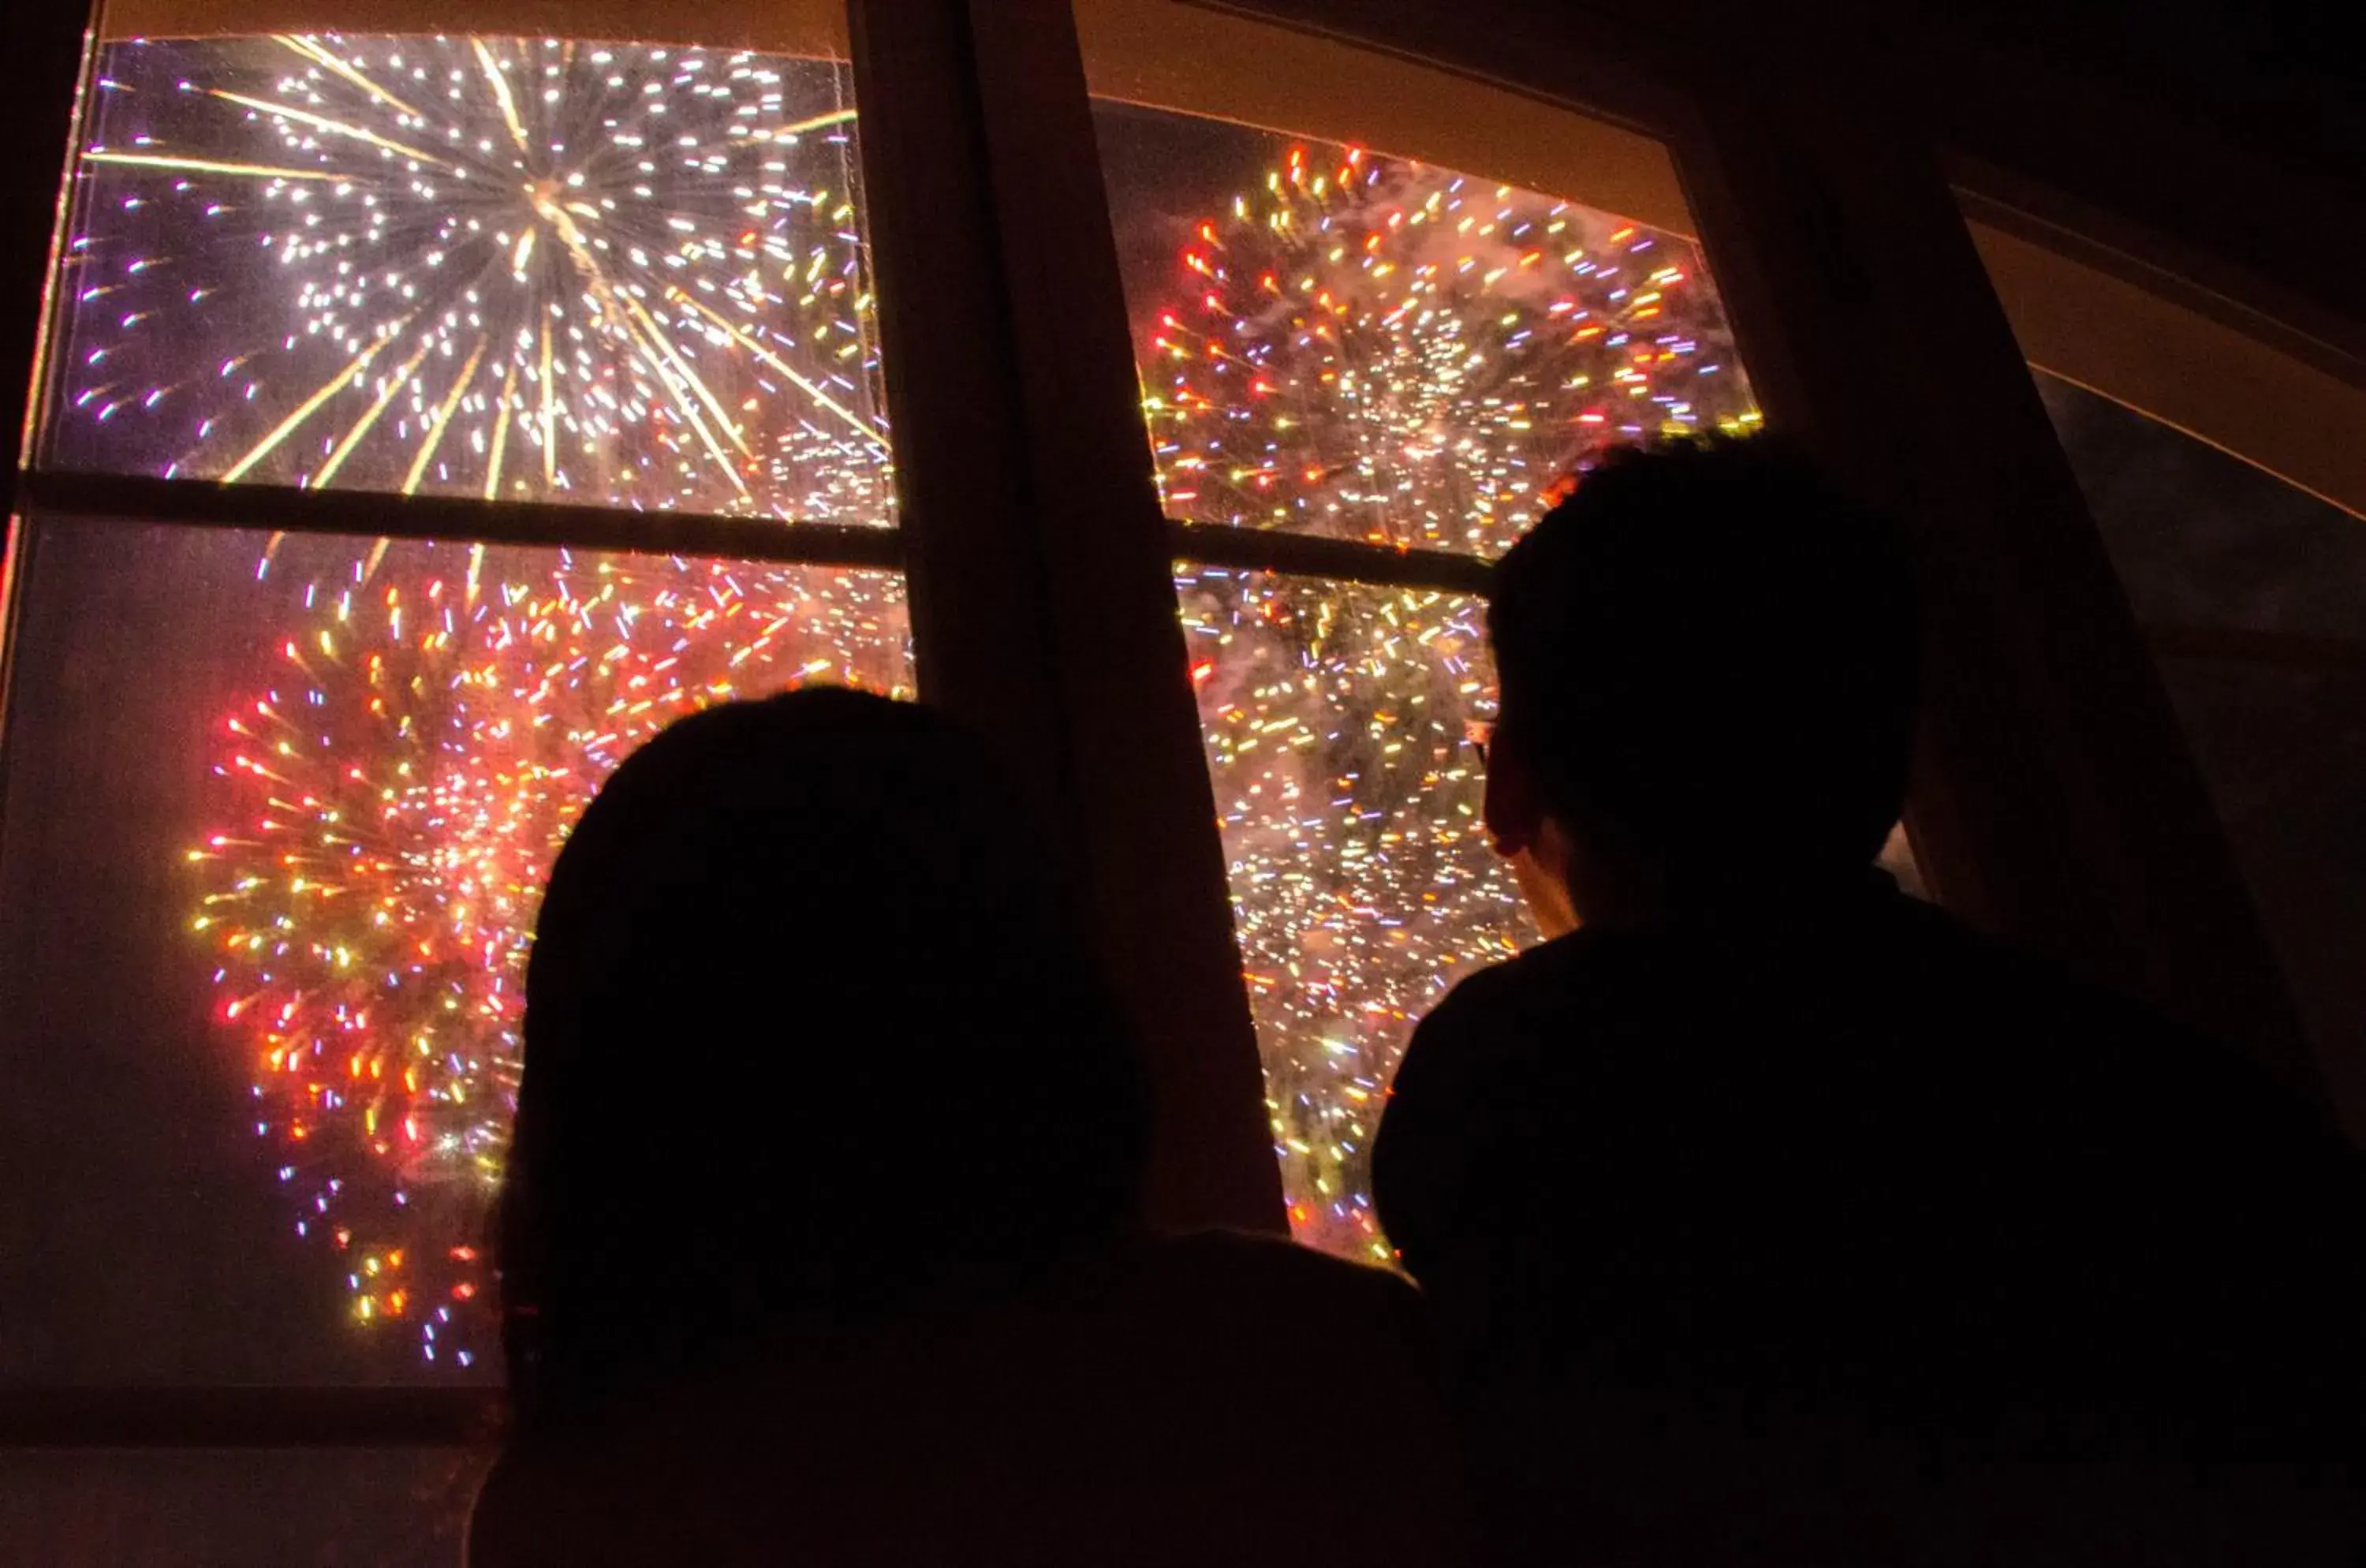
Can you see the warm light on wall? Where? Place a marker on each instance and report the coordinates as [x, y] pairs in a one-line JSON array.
[[1184, 57], [2215, 383]]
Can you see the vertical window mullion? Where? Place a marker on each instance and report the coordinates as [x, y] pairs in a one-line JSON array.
[[2055, 800], [45, 43], [1044, 602], [45, 39]]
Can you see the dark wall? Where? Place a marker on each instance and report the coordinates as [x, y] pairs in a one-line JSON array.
[[2224, 139]]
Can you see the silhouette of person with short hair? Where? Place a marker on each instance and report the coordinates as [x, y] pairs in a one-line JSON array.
[[816, 1237], [1775, 1218]]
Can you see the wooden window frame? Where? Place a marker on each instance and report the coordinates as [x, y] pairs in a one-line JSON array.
[[1039, 568], [2054, 798]]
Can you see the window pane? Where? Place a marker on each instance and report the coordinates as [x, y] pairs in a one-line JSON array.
[[1359, 339], [2192, 358], [2202, 539], [2254, 593], [1339, 726], [277, 815], [2217, 451], [236, 1509], [510, 267]]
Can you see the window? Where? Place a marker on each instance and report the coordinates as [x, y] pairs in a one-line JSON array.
[[430, 411], [429, 418], [2215, 449], [1339, 341], [279, 808], [520, 268], [1338, 718], [1375, 336], [2249, 591]]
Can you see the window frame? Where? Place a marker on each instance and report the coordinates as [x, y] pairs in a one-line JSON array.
[[2263, 389], [1039, 569], [57, 43], [2106, 306], [1828, 220]]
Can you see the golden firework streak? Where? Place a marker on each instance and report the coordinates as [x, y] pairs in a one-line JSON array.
[[442, 419], [500, 432], [312, 49], [362, 425], [500, 92], [835, 116], [549, 448], [305, 410], [322, 122], [205, 165], [752, 346], [672, 371]]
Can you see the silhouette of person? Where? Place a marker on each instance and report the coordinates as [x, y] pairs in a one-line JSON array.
[[816, 1237], [1774, 1217]]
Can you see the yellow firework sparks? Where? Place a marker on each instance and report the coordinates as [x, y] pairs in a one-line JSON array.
[[636, 262]]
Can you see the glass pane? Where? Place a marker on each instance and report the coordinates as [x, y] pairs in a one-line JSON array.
[[2215, 368], [524, 268], [278, 813], [2204, 539], [1343, 332], [2254, 592], [236, 1509], [1339, 726]]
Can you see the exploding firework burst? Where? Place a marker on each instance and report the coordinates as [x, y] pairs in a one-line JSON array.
[[1371, 349], [1367, 349], [512, 268], [508, 267], [1374, 349], [1337, 721], [395, 799]]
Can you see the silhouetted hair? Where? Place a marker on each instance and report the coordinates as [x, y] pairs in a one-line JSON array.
[[809, 1041], [1710, 646]]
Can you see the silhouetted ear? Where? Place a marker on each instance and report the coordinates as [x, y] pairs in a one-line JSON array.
[[1513, 809]]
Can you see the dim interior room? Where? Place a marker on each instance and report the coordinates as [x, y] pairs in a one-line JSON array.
[[422, 414]]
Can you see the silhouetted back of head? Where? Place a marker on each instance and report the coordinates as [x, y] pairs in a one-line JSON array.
[[809, 1040], [1710, 649]]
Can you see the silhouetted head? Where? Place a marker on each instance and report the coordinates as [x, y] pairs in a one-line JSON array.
[[1708, 658], [809, 1041]]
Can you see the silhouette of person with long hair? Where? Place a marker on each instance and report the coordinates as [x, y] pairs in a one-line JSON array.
[[816, 1239], [1774, 1217]]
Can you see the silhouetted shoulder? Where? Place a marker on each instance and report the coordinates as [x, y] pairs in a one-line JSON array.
[[1467, 1100], [1865, 1137], [1508, 1018], [2107, 1056]]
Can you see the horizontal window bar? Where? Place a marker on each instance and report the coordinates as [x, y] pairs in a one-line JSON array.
[[248, 1417], [373, 514], [1308, 555]]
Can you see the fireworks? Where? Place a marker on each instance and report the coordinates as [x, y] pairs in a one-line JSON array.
[[1338, 722], [517, 269], [395, 799], [504, 267], [534, 269], [1372, 349]]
